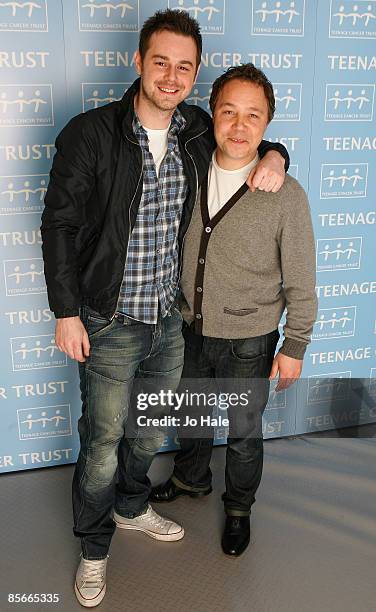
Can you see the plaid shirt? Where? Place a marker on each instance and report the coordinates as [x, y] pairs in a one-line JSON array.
[[151, 268]]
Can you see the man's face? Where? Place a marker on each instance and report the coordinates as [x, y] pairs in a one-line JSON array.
[[168, 69], [240, 119]]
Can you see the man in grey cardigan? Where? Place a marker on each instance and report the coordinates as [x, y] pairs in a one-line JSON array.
[[247, 256]]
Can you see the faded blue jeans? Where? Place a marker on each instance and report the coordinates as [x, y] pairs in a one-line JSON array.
[[114, 458]]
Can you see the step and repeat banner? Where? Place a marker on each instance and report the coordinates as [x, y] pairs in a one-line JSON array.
[[59, 58]]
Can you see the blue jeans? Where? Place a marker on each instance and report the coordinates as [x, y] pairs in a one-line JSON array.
[[240, 365], [114, 458]]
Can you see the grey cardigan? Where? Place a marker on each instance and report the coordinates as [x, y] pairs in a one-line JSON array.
[[255, 257]]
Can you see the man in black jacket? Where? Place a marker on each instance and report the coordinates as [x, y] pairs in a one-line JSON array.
[[122, 189]]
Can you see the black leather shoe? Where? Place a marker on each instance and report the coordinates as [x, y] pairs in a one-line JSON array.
[[169, 491], [236, 535]]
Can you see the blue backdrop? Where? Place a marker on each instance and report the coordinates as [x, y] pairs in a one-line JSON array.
[[59, 58]]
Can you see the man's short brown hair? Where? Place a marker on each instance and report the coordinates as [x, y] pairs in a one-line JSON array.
[[179, 22], [246, 72]]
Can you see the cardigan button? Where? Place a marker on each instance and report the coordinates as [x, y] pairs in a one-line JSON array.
[[208, 229], [199, 289], [198, 316], [201, 260]]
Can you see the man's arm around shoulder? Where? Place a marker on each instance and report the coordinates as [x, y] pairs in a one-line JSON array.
[[270, 172]]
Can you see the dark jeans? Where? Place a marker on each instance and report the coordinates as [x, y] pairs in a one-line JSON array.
[[114, 458], [240, 365]]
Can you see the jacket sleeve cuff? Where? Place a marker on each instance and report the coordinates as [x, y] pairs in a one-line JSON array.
[[266, 145], [293, 348], [68, 312]]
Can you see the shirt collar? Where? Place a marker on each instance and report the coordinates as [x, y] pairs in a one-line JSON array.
[[177, 124]]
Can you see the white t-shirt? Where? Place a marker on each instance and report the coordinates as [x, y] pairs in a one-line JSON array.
[[222, 184], [157, 145]]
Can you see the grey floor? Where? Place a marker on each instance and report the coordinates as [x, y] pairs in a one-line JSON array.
[[313, 542]]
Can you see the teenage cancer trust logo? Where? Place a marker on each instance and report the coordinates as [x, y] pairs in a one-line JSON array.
[[95, 95], [349, 19], [108, 15], [349, 102], [209, 13], [288, 98], [22, 194], [26, 106], [336, 254], [334, 323], [18, 16], [324, 387], [24, 277], [277, 399], [44, 422], [343, 181], [200, 95], [36, 353], [278, 18]]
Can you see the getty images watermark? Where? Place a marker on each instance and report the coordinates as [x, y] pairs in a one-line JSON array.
[[198, 406], [193, 400]]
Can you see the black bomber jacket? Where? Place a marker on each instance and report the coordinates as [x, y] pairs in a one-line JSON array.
[[93, 196]]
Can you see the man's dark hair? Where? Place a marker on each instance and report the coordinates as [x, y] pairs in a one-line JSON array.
[[246, 72], [179, 22]]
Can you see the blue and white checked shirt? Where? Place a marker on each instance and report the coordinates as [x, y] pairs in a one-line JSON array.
[[152, 264]]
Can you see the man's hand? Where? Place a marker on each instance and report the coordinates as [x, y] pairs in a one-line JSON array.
[[289, 370], [269, 174], [71, 338]]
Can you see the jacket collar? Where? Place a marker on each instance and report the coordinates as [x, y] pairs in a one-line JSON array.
[[196, 121]]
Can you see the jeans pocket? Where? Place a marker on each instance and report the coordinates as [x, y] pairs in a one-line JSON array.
[[96, 323]]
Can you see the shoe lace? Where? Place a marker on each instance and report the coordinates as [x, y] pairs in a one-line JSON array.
[[93, 574], [156, 519]]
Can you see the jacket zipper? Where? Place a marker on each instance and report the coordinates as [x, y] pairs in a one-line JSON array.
[[194, 165], [129, 224]]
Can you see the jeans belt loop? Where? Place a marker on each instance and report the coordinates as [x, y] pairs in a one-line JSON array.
[[120, 317]]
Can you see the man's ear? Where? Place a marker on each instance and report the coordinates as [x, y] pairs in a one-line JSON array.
[[198, 70], [138, 62]]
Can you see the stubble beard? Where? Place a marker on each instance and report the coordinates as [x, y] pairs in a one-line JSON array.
[[165, 106]]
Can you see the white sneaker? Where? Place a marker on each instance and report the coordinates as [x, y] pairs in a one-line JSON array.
[[90, 585], [153, 524]]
